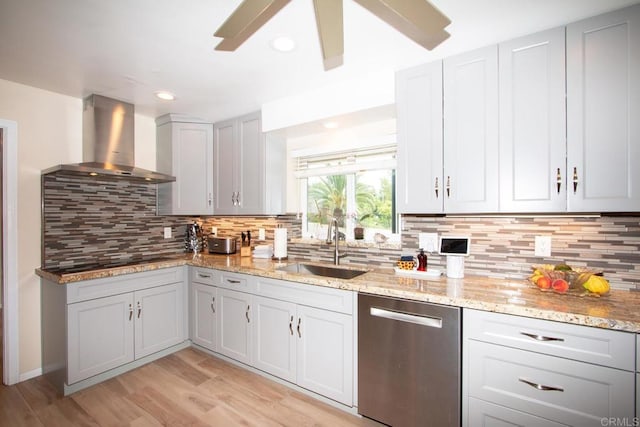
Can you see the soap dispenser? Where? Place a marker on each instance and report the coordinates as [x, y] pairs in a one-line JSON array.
[[422, 261]]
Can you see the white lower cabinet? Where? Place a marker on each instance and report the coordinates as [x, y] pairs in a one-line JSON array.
[[100, 336], [300, 333], [520, 371], [274, 340], [325, 353], [234, 325], [203, 315], [98, 328], [108, 332]]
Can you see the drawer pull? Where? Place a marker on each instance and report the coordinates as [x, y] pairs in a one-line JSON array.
[[541, 337], [204, 276], [233, 281], [540, 386]]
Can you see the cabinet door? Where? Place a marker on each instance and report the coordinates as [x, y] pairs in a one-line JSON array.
[[159, 318], [471, 131], [100, 336], [234, 325], [325, 353], [203, 315], [532, 123], [603, 106], [224, 181], [419, 184], [185, 150], [274, 344], [251, 161]]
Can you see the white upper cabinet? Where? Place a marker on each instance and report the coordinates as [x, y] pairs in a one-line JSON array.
[[224, 136], [249, 168], [471, 132], [419, 184], [185, 150], [603, 112], [533, 123]]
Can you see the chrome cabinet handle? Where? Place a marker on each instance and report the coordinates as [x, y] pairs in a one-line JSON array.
[[418, 319], [204, 276], [448, 186], [247, 314], [213, 306], [437, 187], [558, 180], [235, 282], [291, 325], [210, 199], [298, 328], [541, 337], [575, 180], [130, 312], [139, 309], [540, 386]]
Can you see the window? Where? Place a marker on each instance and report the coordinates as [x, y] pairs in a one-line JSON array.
[[357, 187]]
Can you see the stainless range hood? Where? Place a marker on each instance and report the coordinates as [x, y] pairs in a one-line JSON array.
[[108, 144]]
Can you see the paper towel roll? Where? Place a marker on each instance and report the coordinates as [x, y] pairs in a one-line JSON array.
[[280, 243]]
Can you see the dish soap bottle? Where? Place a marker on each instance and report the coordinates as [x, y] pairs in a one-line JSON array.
[[422, 261]]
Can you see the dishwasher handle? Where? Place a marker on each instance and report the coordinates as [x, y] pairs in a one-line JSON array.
[[418, 319]]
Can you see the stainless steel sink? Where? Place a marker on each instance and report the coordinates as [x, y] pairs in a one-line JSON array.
[[322, 270]]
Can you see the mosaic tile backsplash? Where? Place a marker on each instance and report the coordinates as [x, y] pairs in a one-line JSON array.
[[87, 221]]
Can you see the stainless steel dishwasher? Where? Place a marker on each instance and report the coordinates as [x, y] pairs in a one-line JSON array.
[[408, 362]]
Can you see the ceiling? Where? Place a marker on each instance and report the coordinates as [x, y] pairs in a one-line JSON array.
[[129, 49]]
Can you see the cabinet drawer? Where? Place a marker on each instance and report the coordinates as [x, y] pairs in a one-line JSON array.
[[206, 276], [557, 389], [237, 281], [487, 414], [299, 293], [615, 349]]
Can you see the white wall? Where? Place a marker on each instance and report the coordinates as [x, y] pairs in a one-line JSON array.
[[49, 133]]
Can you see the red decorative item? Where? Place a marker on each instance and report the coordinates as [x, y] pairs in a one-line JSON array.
[[422, 261]]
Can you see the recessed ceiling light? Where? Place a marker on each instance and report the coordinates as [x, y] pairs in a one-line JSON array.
[[166, 96], [283, 44], [331, 125]]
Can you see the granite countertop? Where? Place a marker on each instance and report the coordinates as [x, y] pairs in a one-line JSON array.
[[618, 310]]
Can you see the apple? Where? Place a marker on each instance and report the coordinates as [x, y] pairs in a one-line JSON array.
[[560, 285], [543, 282]]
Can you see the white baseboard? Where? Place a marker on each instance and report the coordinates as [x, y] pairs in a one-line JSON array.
[[28, 375]]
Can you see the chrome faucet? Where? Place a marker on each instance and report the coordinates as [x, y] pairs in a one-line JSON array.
[[336, 238]]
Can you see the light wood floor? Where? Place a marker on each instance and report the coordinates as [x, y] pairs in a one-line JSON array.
[[187, 388]]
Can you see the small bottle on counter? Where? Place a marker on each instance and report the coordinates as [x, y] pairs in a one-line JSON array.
[[422, 261]]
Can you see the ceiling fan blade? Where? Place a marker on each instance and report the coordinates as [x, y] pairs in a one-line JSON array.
[[330, 30], [416, 19], [246, 20]]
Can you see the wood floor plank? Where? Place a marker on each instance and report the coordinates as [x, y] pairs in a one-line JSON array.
[[189, 387], [65, 412], [107, 407], [15, 411], [175, 365], [38, 392], [163, 409]]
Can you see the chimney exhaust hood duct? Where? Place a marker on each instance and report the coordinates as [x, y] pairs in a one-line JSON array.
[[108, 145]]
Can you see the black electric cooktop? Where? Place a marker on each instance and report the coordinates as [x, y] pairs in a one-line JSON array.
[[83, 268]]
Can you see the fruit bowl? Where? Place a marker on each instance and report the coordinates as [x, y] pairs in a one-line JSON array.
[[564, 279]]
